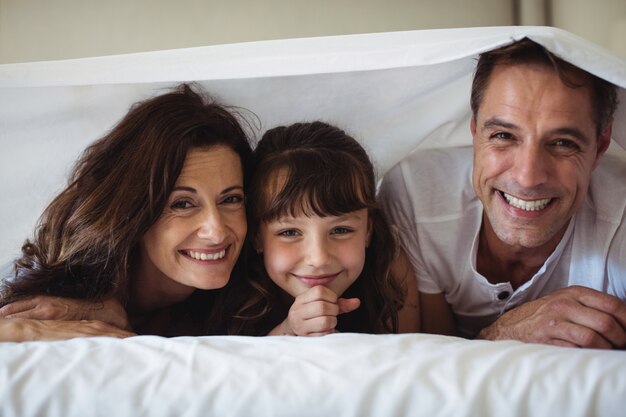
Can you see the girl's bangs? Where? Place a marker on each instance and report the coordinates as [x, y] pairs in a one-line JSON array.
[[306, 188]]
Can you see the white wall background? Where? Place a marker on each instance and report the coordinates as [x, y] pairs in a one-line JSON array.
[[32, 30], [600, 21], [36, 30], [39, 30]]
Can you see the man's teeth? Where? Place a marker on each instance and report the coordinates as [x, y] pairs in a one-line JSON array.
[[534, 205], [201, 256]]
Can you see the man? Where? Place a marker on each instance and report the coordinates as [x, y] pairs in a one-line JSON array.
[[525, 244]]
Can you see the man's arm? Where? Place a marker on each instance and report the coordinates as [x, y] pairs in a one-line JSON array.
[[573, 316]]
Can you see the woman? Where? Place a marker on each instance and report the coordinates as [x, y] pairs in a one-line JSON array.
[[153, 217]]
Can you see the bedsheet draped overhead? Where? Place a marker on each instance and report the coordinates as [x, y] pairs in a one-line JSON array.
[[392, 91]]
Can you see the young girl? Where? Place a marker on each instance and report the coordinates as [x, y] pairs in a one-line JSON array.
[[322, 248]]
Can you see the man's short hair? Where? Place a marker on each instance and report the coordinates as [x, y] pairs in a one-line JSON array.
[[525, 51]]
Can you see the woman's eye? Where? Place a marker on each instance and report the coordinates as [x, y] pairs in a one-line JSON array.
[[234, 200], [341, 230], [181, 205]]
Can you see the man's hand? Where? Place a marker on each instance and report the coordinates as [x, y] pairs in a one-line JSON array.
[[22, 330], [314, 313], [47, 307], [573, 316]]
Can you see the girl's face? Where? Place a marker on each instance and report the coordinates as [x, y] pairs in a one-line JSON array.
[[302, 252], [196, 241]]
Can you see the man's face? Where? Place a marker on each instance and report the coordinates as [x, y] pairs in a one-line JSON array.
[[535, 146]]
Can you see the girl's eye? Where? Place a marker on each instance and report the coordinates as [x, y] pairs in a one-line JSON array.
[[341, 230], [288, 233], [181, 205]]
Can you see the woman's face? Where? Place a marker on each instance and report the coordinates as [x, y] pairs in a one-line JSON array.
[[196, 241]]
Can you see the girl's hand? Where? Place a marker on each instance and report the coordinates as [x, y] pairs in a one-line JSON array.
[[47, 307], [314, 313]]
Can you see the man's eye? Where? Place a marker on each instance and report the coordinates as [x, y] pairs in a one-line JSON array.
[[566, 143], [181, 204], [501, 135]]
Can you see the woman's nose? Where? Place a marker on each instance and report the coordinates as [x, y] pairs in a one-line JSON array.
[[212, 227]]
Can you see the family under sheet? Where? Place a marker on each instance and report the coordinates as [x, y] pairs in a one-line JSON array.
[[174, 223]]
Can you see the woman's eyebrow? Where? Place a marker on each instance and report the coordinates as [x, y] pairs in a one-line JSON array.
[[233, 188], [185, 188]]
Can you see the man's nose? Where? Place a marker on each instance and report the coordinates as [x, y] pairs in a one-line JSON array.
[[531, 166]]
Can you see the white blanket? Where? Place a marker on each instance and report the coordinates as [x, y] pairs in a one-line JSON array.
[[394, 92], [337, 375]]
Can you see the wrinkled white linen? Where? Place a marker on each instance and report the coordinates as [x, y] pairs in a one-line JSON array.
[[337, 375]]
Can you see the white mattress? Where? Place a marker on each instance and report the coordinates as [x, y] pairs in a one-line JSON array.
[[337, 375]]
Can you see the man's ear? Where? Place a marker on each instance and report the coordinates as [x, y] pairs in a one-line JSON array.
[[604, 140], [473, 125]]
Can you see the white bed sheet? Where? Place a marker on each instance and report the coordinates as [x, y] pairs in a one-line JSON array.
[[337, 375]]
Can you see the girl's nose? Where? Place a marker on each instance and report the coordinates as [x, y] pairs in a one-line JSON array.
[[317, 252]]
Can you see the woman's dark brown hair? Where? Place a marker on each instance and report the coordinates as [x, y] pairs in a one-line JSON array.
[[86, 238], [328, 174]]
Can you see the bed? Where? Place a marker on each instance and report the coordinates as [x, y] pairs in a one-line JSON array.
[[395, 92]]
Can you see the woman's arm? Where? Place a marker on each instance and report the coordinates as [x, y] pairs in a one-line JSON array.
[[24, 330], [47, 307]]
